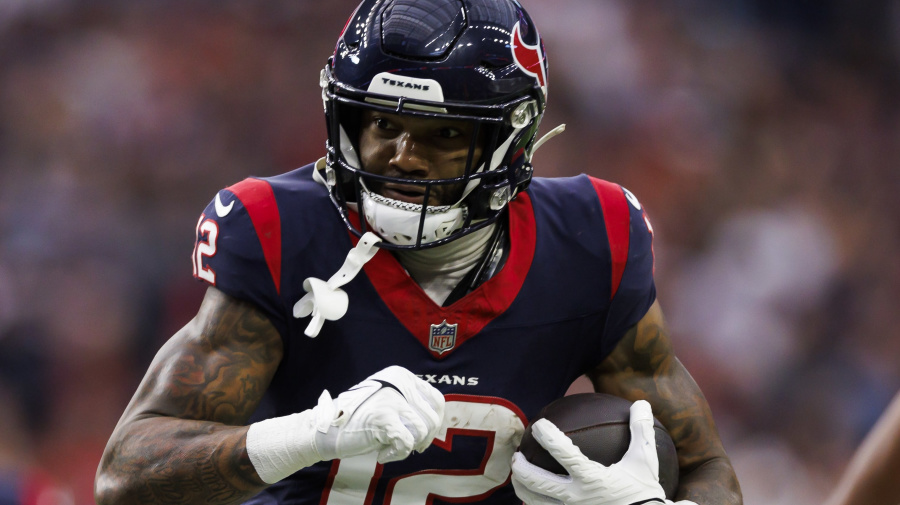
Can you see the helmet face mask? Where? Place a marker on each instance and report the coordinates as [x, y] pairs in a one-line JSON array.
[[383, 62]]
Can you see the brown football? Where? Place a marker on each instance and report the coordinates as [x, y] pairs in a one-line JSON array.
[[598, 424]]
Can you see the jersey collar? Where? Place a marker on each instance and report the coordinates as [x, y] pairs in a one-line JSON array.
[[441, 330]]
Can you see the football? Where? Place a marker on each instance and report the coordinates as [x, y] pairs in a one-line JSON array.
[[598, 424]]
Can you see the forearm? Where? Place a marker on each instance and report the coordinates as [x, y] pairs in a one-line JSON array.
[[176, 461], [707, 477], [643, 367], [712, 483]]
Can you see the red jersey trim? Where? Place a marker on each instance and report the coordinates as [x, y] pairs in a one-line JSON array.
[[412, 306], [258, 198], [617, 218]]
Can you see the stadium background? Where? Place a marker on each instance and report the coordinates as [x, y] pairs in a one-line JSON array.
[[762, 137]]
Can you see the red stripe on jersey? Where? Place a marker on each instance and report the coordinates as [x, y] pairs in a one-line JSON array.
[[258, 198], [618, 221], [412, 306], [329, 481]]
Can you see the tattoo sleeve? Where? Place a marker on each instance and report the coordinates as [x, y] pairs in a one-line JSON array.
[[643, 367], [181, 439]]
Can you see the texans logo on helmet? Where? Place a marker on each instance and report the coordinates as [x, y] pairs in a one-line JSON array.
[[529, 58]]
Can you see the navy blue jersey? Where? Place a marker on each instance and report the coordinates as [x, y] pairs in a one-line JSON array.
[[578, 275]]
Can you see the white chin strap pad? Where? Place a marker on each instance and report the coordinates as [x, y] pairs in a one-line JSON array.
[[398, 222], [326, 300]]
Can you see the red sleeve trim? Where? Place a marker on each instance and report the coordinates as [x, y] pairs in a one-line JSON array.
[[618, 221], [258, 198]]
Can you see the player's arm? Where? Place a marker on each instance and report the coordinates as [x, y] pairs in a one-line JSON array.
[[871, 476], [181, 439], [643, 366], [182, 436]]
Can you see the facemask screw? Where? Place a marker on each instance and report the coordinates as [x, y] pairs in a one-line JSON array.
[[523, 114], [499, 198]]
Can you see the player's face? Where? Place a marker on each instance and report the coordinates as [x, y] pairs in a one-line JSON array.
[[416, 148]]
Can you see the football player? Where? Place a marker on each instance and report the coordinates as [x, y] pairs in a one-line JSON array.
[[421, 272]]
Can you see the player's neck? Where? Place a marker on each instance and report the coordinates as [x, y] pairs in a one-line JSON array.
[[439, 270]]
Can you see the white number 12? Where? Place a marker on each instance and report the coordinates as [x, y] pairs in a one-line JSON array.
[[205, 247], [503, 426]]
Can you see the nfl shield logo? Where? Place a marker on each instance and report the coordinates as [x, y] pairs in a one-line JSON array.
[[442, 337]]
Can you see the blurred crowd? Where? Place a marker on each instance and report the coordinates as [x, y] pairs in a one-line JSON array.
[[762, 136]]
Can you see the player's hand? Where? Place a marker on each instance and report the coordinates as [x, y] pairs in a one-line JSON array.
[[632, 480], [393, 413]]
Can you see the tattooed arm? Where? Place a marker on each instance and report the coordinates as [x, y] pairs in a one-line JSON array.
[[643, 366], [182, 439]]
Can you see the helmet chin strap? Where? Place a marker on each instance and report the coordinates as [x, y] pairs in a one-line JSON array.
[[398, 222], [547, 136], [325, 299]]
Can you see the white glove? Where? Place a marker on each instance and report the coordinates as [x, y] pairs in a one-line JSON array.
[[632, 480], [393, 413]]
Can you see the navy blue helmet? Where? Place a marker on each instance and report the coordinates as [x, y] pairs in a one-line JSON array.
[[475, 60]]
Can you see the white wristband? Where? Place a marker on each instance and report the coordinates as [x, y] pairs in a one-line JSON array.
[[279, 447], [391, 413]]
